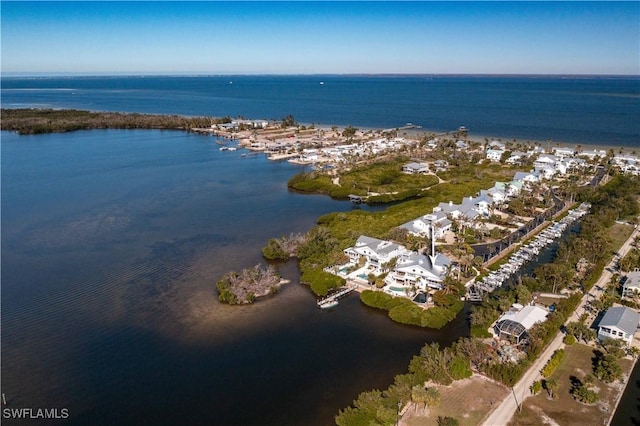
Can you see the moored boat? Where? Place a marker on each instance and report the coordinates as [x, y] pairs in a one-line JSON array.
[[328, 304]]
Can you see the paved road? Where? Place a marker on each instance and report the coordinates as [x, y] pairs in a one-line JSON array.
[[505, 411]]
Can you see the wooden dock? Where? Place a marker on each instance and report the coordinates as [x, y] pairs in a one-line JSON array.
[[330, 299], [473, 295]]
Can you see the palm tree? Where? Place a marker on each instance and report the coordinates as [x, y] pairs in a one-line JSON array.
[[551, 385]]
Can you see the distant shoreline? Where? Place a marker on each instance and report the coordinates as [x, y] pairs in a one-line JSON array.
[[18, 74], [480, 138], [123, 120]]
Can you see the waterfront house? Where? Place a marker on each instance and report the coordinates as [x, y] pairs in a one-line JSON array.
[[514, 324], [376, 253], [417, 271], [623, 159], [631, 287], [591, 154], [255, 124], [620, 323], [564, 152]]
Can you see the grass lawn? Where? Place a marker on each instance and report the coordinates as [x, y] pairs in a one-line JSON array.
[[468, 400], [619, 234], [564, 410]]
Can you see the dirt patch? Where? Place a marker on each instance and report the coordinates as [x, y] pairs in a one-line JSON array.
[[468, 400], [564, 410]]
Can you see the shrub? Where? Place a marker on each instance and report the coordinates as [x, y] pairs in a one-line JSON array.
[[320, 281], [447, 421], [273, 251], [553, 363], [438, 317], [583, 394], [607, 368], [406, 313], [376, 299], [536, 387], [569, 339]]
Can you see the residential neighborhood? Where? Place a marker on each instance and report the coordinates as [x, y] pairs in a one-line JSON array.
[[476, 246]]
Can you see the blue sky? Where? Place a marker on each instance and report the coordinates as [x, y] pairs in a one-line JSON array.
[[321, 37]]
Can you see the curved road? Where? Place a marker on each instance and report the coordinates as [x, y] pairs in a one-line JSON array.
[[504, 412]]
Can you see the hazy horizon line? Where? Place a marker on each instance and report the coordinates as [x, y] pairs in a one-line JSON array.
[[355, 74]]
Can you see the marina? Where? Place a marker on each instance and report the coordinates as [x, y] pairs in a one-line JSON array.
[[524, 255]]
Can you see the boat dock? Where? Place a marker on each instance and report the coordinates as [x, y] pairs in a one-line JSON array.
[[355, 199], [526, 253], [332, 299]]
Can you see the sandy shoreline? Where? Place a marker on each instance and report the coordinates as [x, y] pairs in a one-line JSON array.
[[248, 136]]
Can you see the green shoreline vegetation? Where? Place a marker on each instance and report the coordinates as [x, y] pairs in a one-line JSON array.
[[381, 177], [29, 121], [618, 199]]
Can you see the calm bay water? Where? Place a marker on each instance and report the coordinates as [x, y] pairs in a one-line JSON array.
[[579, 110], [111, 245], [112, 242]]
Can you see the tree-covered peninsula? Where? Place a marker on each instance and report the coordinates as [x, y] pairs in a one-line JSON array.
[[29, 121]]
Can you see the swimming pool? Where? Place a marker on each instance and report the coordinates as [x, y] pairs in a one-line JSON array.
[[396, 289]]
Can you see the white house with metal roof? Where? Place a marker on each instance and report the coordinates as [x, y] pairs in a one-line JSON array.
[[419, 271], [494, 154], [415, 168], [620, 323], [527, 177], [376, 252], [422, 226], [516, 322]]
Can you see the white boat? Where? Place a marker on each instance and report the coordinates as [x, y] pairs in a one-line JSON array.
[[328, 304]]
